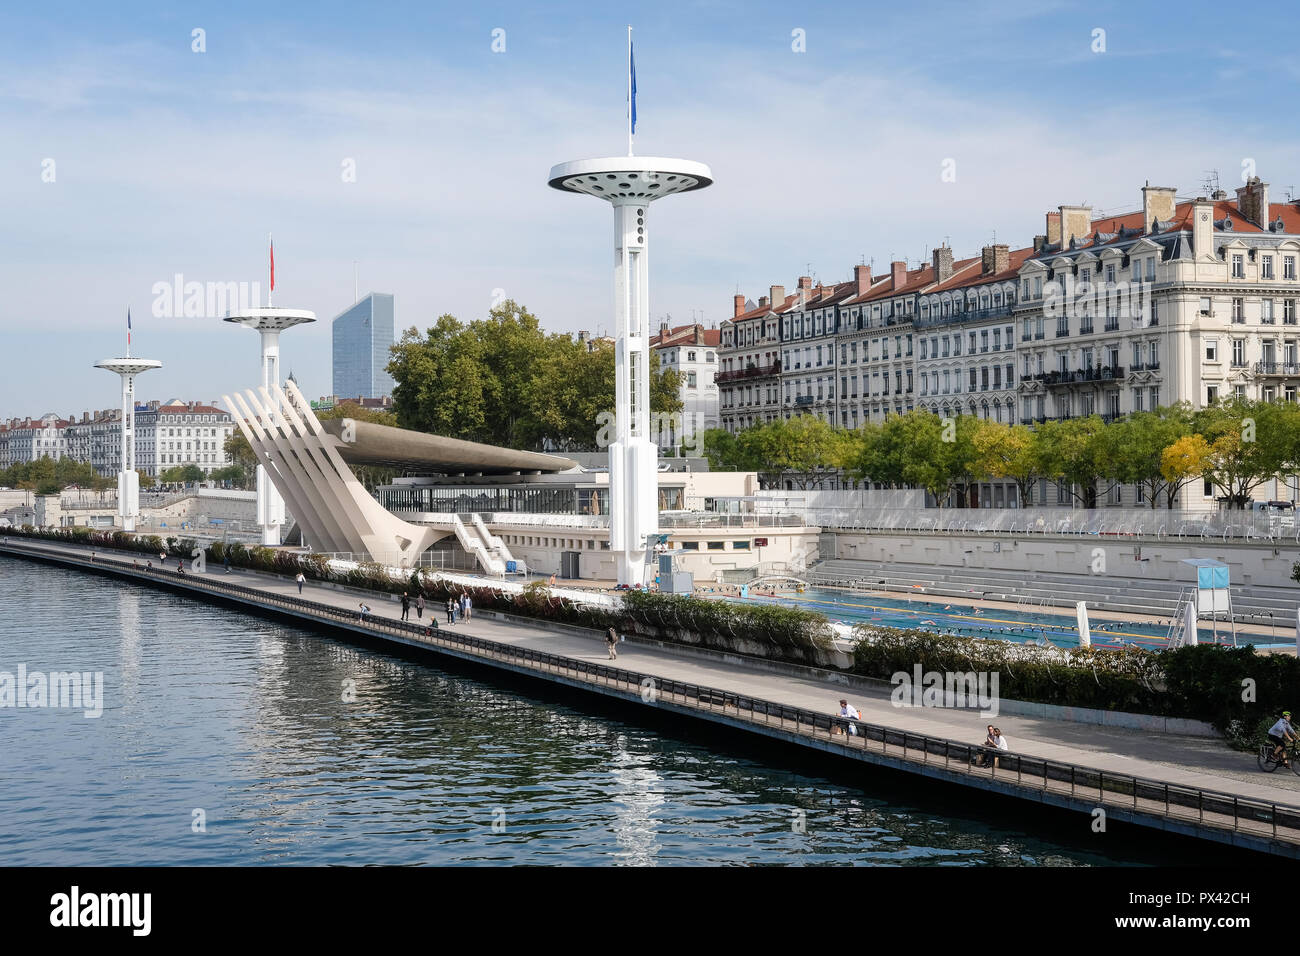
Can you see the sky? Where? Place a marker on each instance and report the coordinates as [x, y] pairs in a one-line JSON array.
[[410, 143]]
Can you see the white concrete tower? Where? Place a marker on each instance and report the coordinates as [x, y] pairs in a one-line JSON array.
[[128, 479], [631, 184], [270, 323]]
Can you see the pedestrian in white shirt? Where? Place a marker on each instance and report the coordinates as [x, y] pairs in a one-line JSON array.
[[848, 712]]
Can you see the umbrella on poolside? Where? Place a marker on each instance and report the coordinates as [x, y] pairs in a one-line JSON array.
[[1081, 610]]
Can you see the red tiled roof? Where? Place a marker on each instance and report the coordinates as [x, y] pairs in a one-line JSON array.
[[685, 335], [963, 279]]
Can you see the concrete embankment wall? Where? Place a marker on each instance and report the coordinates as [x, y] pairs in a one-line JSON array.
[[1254, 563]]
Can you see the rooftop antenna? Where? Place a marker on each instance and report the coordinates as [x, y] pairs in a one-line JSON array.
[[1211, 182]]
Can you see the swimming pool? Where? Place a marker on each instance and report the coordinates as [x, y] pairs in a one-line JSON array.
[[1005, 624]]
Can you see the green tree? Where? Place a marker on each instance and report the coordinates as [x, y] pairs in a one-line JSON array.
[[1250, 442], [504, 381], [242, 456], [1136, 447], [1074, 454], [804, 449], [728, 452]]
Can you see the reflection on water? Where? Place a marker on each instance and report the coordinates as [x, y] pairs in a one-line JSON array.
[[300, 749]]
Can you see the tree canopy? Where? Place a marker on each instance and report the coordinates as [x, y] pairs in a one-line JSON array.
[[504, 381]]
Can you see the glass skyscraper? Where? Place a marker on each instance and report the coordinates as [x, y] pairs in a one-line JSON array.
[[363, 335]]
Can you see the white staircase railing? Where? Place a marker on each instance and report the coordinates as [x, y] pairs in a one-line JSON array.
[[494, 542], [475, 546]]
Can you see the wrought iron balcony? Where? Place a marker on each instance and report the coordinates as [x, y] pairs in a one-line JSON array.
[[752, 371], [1287, 369]]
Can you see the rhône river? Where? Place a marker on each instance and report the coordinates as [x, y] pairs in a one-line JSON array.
[[229, 739]]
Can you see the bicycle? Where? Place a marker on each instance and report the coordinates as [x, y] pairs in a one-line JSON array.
[[1290, 753]]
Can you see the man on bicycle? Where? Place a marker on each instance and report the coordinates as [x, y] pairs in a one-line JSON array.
[[1278, 735]]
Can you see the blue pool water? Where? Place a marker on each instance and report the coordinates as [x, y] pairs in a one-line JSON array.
[[936, 614]]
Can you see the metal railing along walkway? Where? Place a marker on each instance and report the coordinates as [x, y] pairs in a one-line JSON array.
[[1207, 808]]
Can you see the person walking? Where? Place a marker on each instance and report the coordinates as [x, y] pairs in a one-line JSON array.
[[611, 641], [300, 579], [469, 606], [226, 562], [451, 614], [406, 606], [419, 605]]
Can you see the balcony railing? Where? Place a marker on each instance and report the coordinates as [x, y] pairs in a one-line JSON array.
[[1103, 373], [1145, 367], [1277, 368], [752, 371], [803, 400]]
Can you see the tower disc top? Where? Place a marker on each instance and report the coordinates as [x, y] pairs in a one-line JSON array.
[[643, 178], [269, 318]]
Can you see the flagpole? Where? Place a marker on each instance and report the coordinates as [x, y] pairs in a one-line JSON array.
[[629, 89], [270, 242]]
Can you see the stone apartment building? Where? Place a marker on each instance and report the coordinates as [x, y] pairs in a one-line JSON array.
[[28, 439], [1191, 299], [181, 433], [692, 352]]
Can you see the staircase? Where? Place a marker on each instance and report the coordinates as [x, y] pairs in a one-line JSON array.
[[487, 548]]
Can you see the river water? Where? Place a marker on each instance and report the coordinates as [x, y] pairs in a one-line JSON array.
[[226, 738]]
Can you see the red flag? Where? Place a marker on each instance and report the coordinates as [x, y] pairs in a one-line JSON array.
[[272, 265]]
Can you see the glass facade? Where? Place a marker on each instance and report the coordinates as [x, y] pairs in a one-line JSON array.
[[540, 499], [463, 500], [363, 336]]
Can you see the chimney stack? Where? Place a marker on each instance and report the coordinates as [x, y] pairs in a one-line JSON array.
[[862, 276], [1039, 242], [1157, 204], [1075, 222], [1203, 228], [1252, 201], [897, 274], [941, 259], [777, 296], [1053, 227], [663, 329], [737, 305], [995, 259], [805, 282], [762, 302]]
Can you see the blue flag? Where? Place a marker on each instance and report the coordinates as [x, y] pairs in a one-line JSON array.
[[631, 64]]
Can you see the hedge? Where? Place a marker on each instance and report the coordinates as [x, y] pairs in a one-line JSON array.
[[1234, 689]]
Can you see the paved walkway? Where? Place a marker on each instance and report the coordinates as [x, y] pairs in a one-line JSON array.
[[1188, 761]]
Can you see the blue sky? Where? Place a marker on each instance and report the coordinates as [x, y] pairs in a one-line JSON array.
[[169, 161]]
